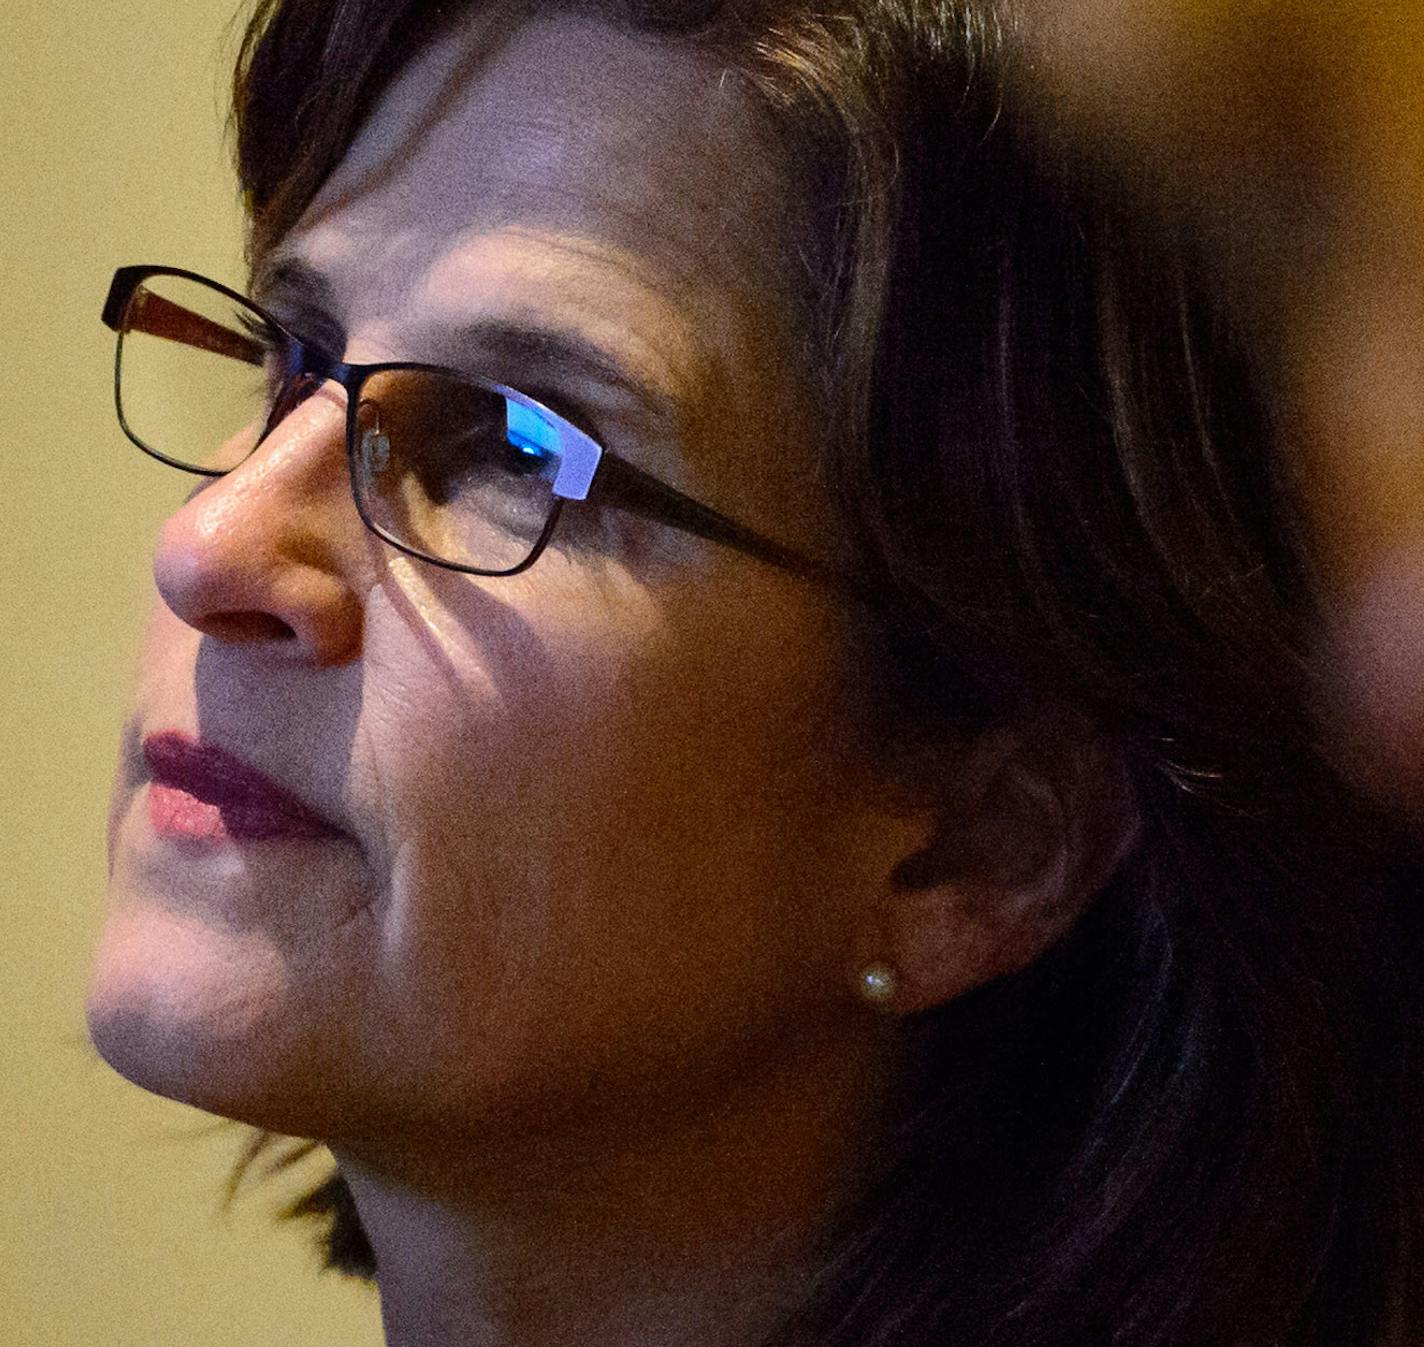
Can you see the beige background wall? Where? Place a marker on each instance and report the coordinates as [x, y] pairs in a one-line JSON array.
[[111, 150]]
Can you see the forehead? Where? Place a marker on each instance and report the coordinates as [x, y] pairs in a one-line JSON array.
[[623, 146], [558, 173]]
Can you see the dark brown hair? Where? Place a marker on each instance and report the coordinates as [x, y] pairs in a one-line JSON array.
[[1191, 1123]]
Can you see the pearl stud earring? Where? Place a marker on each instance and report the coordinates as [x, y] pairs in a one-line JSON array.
[[877, 984]]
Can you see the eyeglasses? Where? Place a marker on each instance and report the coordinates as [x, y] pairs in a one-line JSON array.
[[456, 470]]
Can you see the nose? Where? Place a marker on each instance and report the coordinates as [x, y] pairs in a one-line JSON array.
[[274, 554]]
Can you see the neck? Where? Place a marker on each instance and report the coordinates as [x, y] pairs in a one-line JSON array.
[[692, 1229]]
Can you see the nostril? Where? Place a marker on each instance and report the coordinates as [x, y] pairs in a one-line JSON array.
[[244, 628]]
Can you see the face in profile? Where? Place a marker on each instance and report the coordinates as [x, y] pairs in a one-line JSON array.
[[546, 843]]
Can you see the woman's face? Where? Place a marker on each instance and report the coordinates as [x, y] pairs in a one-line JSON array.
[[593, 827]]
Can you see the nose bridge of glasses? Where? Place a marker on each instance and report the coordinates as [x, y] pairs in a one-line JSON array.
[[309, 368], [321, 402]]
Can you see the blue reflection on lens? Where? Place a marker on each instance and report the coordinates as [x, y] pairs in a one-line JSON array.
[[529, 432]]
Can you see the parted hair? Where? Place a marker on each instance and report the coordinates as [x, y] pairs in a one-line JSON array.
[[1191, 1123]]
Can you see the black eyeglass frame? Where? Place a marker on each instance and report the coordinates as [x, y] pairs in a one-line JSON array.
[[617, 482]]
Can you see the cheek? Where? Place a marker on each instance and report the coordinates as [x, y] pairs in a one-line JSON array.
[[599, 842], [611, 848]]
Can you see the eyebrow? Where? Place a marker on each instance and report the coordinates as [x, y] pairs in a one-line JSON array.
[[537, 352], [559, 355], [286, 281]]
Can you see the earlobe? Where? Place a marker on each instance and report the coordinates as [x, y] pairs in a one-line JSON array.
[[1030, 838]]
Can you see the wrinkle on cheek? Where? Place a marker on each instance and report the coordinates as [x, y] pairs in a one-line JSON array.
[[426, 615], [469, 925], [369, 784], [468, 716], [564, 624]]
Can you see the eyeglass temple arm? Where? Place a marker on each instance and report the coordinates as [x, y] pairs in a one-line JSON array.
[[147, 312], [631, 488]]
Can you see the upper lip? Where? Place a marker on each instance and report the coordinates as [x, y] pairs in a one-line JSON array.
[[218, 777]]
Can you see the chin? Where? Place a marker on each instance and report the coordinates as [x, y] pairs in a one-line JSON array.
[[199, 1016]]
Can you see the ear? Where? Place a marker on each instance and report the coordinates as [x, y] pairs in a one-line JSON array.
[[1031, 826]]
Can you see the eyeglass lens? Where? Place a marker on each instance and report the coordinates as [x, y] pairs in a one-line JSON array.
[[449, 467]]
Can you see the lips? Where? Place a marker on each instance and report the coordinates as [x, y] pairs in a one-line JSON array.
[[203, 793]]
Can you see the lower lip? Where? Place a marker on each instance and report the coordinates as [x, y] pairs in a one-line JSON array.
[[178, 816]]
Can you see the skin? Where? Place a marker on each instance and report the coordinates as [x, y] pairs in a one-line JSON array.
[[1292, 134], [570, 1001]]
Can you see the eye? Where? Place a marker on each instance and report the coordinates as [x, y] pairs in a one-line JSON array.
[[454, 464], [532, 440], [459, 437]]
